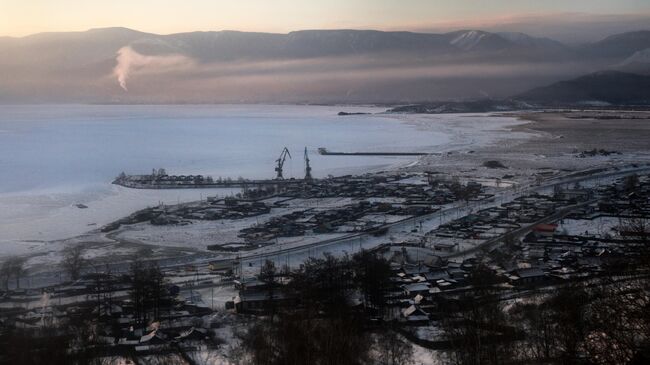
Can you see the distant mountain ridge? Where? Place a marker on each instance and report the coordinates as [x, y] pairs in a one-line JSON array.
[[620, 45], [599, 89], [321, 66], [231, 45], [471, 106], [605, 87]]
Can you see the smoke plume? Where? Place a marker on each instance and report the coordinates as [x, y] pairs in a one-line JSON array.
[[129, 61]]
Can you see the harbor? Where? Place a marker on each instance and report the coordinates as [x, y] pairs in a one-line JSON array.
[[159, 179]]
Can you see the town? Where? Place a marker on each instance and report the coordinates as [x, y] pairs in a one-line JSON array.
[[293, 182], [426, 238]]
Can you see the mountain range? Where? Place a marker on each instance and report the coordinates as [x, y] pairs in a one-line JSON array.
[[120, 65], [605, 87]]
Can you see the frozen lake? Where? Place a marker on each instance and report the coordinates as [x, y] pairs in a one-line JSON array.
[[55, 156], [62, 147]]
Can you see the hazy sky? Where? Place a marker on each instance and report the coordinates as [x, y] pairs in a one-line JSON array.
[[22, 17]]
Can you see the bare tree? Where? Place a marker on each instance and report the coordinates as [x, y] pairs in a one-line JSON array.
[[12, 267], [619, 321], [637, 230], [148, 292], [73, 260], [536, 320], [478, 330], [268, 275], [322, 328], [5, 274], [631, 182], [372, 275], [394, 349], [569, 308]]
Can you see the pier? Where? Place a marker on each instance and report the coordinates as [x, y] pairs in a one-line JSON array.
[[325, 152], [139, 182]]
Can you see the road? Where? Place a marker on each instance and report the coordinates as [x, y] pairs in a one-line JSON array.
[[493, 242]]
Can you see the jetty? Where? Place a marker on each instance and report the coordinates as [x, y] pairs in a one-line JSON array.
[[163, 181], [325, 152]]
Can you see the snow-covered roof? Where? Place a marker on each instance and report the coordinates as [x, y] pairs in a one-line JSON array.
[[418, 298], [148, 337], [417, 287]]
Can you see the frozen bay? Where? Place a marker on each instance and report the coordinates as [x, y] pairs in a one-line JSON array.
[[53, 157]]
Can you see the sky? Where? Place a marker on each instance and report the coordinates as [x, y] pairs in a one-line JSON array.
[[24, 17]]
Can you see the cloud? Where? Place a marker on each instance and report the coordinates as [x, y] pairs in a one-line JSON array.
[[173, 77], [181, 79]]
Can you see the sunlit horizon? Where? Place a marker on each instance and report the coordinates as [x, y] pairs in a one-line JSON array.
[[23, 18]]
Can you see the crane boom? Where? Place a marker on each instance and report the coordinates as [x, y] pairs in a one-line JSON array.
[[307, 167], [280, 161]]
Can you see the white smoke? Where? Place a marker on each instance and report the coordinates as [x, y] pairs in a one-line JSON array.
[[129, 61]]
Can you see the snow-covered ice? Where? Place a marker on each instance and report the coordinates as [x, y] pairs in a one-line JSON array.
[[57, 156]]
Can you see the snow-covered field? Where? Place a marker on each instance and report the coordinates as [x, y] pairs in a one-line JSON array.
[[468, 132]]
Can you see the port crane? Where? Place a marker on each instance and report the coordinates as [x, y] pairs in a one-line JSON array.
[[280, 161], [307, 167]]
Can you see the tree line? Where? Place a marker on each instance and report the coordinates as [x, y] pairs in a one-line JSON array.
[[336, 319]]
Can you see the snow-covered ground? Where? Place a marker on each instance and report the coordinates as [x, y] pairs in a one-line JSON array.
[[95, 143], [469, 132], [47, 216], [57, 156], [199, 234], [599, 227]]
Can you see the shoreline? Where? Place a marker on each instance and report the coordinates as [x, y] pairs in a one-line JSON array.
[[524, 142], [128, 196]]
